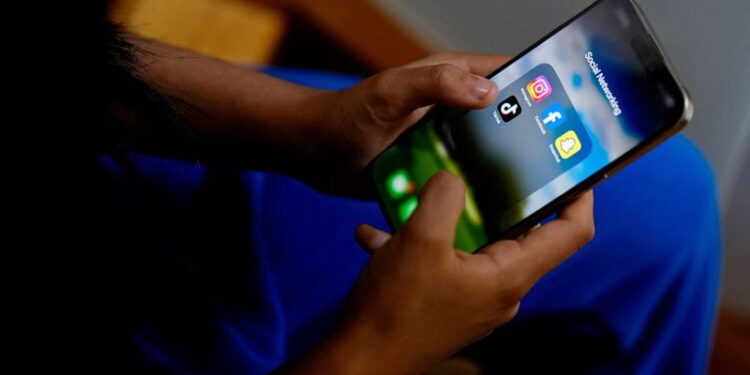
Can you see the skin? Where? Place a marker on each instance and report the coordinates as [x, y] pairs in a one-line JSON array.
[[418, 300]]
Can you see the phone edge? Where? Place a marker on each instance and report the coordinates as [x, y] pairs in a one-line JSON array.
[[607, 171]]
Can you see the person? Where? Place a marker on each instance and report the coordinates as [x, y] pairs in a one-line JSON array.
[[184, 272]]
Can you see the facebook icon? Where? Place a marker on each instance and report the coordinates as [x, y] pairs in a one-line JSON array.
[[553, 116]]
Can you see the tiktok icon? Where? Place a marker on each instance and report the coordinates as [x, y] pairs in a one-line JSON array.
[[509, 109]]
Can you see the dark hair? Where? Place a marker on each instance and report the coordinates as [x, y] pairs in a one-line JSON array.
[[119, 88]]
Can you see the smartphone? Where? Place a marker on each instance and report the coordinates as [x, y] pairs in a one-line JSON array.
[[587, 99]]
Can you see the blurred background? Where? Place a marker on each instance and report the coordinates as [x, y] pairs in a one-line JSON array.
[[709, 42]]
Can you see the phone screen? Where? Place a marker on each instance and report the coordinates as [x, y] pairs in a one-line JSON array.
[[576, 102]]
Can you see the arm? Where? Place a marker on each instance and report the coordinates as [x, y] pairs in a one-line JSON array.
[[325, 138], [237, 115]]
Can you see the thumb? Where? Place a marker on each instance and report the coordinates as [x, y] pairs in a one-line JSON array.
[[397, 93], [441, 203]]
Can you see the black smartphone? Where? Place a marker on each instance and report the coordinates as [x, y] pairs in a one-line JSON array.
[[587, 99]]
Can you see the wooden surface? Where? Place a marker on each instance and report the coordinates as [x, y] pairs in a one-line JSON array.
[[249, 31], [362, 28], [731, 354], [234, 30]]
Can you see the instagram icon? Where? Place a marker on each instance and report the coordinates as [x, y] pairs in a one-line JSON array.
[[539, 88]]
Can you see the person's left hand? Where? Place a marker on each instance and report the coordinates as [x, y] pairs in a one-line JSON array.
[[365, 119]]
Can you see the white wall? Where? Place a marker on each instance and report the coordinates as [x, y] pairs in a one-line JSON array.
[[737, 259], [708, 41]]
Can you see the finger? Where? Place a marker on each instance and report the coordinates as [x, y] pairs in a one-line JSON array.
[[441, 203], [549, 245], [371, 239], [483, 65], [478, 64], [395, 94]]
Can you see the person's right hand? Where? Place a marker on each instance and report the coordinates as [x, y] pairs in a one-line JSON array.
[[420, 300]]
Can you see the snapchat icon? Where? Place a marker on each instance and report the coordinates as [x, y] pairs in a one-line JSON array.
[[568, 144]]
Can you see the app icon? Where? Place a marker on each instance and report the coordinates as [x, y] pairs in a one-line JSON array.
[[407, 208], [539, 88], [509, 108], [568, 144], [399, 184], [553, 116]]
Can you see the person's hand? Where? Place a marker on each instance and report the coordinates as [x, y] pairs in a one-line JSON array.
[[362, 121], [420, 300]]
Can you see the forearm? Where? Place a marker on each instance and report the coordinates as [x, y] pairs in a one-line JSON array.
[[359, 350], [235, 114]]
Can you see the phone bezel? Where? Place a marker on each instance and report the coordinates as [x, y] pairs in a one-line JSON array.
[[589, 183]]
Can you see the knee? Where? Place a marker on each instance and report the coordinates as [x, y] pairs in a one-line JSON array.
[[662, 209], [682, 162], [687, 193]]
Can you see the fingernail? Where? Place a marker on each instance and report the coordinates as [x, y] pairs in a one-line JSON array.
[[482, 87]]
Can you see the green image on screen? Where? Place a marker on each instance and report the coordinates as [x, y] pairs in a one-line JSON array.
[[403, 169]]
